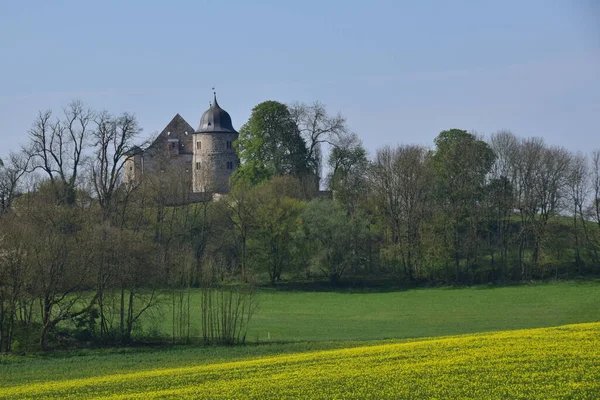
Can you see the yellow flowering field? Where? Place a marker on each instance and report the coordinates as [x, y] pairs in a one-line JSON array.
[[560, 362]]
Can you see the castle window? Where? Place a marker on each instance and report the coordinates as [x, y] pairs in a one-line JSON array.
[[229, 164], [229, 144], [198, 145], [197, 165]]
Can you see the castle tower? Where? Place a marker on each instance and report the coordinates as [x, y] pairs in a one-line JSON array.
[[214, 158]]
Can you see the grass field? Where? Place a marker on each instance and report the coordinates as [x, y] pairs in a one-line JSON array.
[[322, 316], [561, 362], [330, 344]]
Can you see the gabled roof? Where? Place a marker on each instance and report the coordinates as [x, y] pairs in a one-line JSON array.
[[178, 128]]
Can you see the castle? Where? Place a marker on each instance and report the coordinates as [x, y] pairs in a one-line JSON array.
[[207, 153]]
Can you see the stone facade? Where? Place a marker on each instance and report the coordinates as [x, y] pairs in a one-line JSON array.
[[214, 161], [206, 155], [133, 167]]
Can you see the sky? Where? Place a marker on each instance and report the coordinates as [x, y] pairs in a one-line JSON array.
[[399, 71]]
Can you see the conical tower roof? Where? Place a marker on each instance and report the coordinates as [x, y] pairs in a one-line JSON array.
[[215, 120]]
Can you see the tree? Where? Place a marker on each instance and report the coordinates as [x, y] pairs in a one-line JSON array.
[[67, 255], [527, 167], [57, 147], [538, 177], [551, 190], [595, 209], [11, 173], [400, 181], [593, 212], [14, 276], [317, 127], [461, 162], [240, 211], [348, 171], [339, 239], [57, 248], [113, 139], [276, 220], [500, 199], [577, 183], [270, 145]]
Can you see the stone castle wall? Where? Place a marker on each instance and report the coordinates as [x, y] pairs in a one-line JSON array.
[[132, 173], [213, 162]]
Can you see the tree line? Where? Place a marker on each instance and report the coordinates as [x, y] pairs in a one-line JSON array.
[[86, 258], [469, 210]]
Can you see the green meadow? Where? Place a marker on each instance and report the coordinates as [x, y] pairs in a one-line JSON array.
[[292, 316], [289, 323]]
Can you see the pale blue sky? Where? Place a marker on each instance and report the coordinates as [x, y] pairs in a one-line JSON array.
[[400, 71]]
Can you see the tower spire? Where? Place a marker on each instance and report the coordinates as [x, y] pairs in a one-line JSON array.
[[215, 97]]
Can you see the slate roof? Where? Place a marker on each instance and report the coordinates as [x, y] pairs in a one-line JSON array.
[[178, 128], [215, 120]]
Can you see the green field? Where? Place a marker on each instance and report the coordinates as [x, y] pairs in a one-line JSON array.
[[309, 330], [290, 316]]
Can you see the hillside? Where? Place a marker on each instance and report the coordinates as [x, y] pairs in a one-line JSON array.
[[548, 362]]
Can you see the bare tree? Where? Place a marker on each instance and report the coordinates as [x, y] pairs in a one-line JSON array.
[[595, 178], [541, 191], [317, 127], [501, 194], [506, 147], [57, 147], [113, 138], [401, 181], [593, 212], [578, 190], [528, 168], [551, 191]]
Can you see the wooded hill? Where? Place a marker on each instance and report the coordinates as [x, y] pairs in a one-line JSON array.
[[467, 211]]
